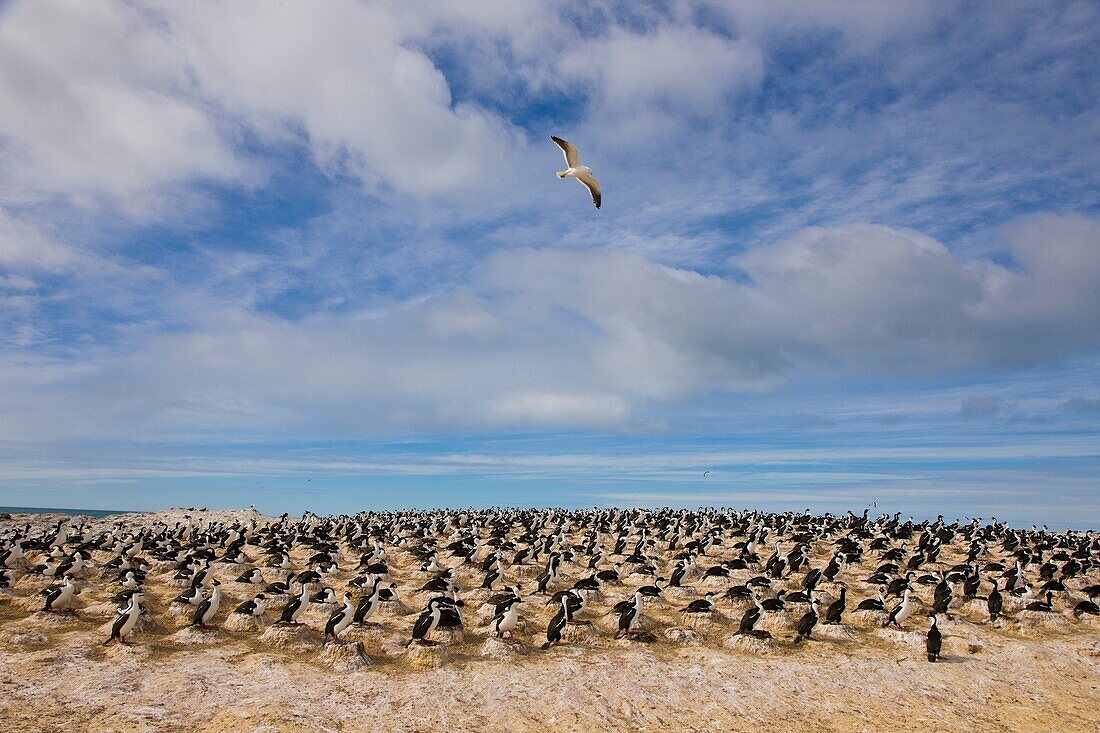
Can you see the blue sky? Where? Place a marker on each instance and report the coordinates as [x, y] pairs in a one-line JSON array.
[[315, 256]]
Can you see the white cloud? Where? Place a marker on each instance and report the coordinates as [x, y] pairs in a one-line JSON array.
[[125, 101], [683, 69], [25, 247], [341, 73], [543, 338], [864, 25], [96, 100], [560, 410]]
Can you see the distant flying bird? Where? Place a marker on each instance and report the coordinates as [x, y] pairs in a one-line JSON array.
[[581, 172]]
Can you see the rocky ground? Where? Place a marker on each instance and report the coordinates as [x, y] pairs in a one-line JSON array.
[[1034, 672]]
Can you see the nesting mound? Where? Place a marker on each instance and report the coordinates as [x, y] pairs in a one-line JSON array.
[[1036, 623], [778, 623], [26, 639], [753, 644], [683, 636], [637, 637], [27, 583], [867, 619], [499, 649], [400, 608], [347, 657], [374, 634], [706, 621], [682, 594], [101, 610], [474, 595], [450, 636], [33, 602], [53, 619], [912, 639], [1086, 619], [836, 632], [424, 656], [132, 650], [291, 637], [582, 634], [1013, 605], [181, 611], [192, 635], [241, 622]]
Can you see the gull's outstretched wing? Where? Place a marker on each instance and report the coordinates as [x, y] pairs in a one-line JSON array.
[[572, 155], [593, 187]]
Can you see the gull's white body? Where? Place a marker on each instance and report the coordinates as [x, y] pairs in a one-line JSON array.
[[575, 170]]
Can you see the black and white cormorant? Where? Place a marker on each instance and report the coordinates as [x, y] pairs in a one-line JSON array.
[[59, 597], [751, 618], [206, 610], [427, 622], [126, 621], [1046, 606], [295, 607], [256, 607], [836, 609], [808, 621], [700, 606], [994, 603], [340, 619], [900, 613], [368, 604], [505, 621], [556, 625], [630, 615], [934, 642]]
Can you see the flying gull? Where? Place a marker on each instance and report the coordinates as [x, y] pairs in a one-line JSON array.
[[581, 172]]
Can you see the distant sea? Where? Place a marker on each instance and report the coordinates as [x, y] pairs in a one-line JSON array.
[[47, 510]]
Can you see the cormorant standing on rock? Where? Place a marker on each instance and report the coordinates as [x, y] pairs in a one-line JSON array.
[[934, 642]]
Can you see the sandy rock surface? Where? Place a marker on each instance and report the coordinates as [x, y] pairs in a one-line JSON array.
[[1033, 673]]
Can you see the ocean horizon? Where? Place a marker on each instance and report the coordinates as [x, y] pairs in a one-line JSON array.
[[59, 510]]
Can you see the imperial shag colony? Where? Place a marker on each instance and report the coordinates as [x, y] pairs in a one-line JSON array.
[[536, 579]]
